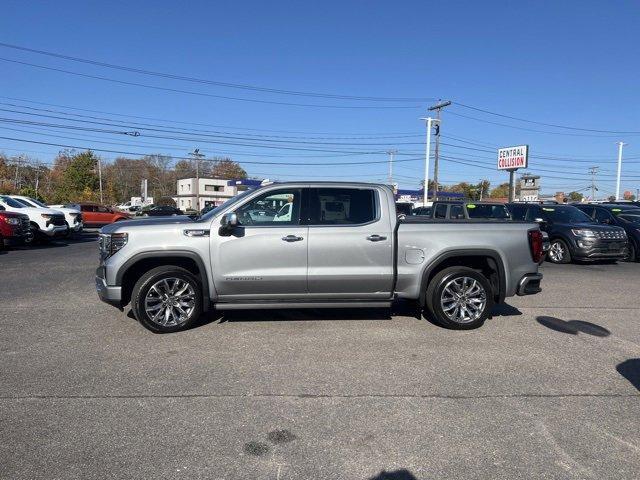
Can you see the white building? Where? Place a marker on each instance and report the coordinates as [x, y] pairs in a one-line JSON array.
[[212, 191]]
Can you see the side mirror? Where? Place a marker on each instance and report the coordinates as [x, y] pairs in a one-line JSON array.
[[230, 220], [228, 223], [540, 221]]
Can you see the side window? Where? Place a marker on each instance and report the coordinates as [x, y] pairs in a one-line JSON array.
[[456, 212], [532, 213], [602, 216], [87, 208], [518, 212], [441, 211], [274, 208], [102, 209], [588, 210], [342, 206]]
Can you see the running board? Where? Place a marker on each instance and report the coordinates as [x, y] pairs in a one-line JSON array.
[[296, 305]]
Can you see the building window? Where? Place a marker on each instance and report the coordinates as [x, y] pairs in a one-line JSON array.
[[213, 188]]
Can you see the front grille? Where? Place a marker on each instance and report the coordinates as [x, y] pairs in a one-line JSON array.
[[611, 234], [57, 220]]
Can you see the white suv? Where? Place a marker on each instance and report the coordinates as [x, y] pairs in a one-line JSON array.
[[45, 222], [72, 216]]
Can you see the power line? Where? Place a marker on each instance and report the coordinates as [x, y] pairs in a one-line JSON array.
[[119, 152], [213, 82], [543, 123], [202, 94]]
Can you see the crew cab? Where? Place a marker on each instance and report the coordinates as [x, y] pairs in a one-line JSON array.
[[572, 233], [72, 216], [14, 228], [313, 245], [44, 223]]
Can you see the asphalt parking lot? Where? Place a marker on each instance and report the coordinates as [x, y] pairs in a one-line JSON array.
[[548, 388]]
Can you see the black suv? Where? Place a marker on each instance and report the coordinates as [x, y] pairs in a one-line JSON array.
[[625, 215], [573, 234]]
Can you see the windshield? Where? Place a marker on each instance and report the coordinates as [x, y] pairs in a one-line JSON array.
[[487, 211], [11, 202], [633, 219], [37, 202], [566, 214], [233, 200]]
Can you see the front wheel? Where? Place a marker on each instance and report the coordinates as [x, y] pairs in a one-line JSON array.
[[632, 253], [167, 299], [459, 298], [559, 252]]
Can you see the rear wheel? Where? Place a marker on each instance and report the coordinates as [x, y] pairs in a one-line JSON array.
[[459, 298], [559, 252], [167, 299]]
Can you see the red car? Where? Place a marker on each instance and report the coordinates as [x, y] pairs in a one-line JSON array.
[[14, 229], [96, 215]]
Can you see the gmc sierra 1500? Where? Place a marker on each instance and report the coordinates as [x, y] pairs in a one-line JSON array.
[[314, 244]]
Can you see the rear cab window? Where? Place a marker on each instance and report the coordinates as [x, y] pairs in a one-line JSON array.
[[440, 211], [342, 206]]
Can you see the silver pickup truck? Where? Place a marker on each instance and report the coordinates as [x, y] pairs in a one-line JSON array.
[[313, 245]]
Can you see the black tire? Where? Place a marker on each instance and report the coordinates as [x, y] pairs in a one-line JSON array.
[[562, 255], [1, 242], [434, 294], [632, 253], [152, 277]]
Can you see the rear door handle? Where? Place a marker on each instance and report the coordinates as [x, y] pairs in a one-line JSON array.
[[376, 238], [292, 238]]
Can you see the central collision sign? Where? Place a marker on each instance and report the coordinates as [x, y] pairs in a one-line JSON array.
[[512, 158]]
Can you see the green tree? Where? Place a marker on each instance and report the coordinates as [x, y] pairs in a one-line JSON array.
[[575, 196], [79, 178], [501, 191]]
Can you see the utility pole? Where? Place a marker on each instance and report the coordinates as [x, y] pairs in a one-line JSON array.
[[100, 177], [436, 154], [620, 145], [593, 171], [391, 154], [197, 155], [425, 196]]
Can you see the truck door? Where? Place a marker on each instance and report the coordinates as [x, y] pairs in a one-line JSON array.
[[350, 244], [266, 254]]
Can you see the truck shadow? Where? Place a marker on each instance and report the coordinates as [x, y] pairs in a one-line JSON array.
[[293, 315], [402, 474], [573, 327]]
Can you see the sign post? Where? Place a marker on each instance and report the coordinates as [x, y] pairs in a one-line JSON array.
[[511, 159]]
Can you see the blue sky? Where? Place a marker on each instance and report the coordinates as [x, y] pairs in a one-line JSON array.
[[571, 63]]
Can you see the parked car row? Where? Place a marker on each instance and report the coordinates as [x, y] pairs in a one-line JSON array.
[[583, 231], [26, 220]]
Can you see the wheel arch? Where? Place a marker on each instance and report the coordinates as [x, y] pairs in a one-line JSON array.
[[129, 273], [487, 261]]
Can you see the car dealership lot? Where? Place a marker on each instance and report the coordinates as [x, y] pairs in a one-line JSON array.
[[549, 387]]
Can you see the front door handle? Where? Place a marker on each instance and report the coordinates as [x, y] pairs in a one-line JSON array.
[[376, 238], [292, 238]]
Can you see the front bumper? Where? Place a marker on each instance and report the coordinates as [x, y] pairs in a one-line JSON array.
[[107, 293], [529, 284], [55, 231], [599, 249]]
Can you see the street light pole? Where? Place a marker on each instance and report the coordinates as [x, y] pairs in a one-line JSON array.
[[620, 145], [425, 195], [391, 154]]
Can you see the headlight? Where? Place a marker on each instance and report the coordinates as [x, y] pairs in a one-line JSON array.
[[582, 232], [46, 216], [12, 221], [111, 243]]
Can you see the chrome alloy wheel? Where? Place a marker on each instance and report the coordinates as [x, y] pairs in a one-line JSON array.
[[463, 299], [556, 252], [170, 302]]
